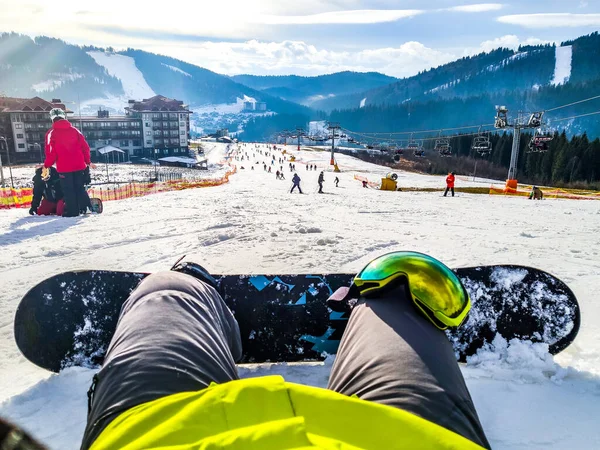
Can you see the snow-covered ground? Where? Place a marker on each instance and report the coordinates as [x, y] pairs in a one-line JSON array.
[[526, 399], [125, 173], [562, 68]]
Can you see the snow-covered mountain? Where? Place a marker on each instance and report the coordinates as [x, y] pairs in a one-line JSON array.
[[103, 78], [308, 90]]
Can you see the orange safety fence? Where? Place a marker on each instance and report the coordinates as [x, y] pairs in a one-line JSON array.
[[550, 193], [21, 198], [370, 183], [15, 198]]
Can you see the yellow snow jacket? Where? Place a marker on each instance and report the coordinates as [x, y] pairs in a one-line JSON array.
[[269, 413]]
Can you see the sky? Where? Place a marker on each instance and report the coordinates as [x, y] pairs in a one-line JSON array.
[[310, 37]]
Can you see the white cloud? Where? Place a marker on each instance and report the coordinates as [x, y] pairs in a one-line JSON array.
[[508, 41], [479, 7], [365, 16], [554, 20], [231, 19], [276, 58]]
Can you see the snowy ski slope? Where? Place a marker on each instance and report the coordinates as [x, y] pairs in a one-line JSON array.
[[123, 67], [562, 68], [525, 398]]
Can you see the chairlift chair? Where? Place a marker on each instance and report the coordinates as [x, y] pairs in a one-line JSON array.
[[481, 144], [442, 146], [501, 117], [416, 148], [535, 119], [445, 150], [539, 142]]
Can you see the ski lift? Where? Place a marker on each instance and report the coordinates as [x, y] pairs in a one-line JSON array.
[[481, 143], [539, 142], [535, 119], [501, 117], [350, 139], [416, 147], [442, 145]]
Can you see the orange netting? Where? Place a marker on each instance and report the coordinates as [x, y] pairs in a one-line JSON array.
[[553, 193], [370, 183], [21, 198]]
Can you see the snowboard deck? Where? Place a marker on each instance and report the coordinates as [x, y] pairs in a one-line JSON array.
[[69, 319]]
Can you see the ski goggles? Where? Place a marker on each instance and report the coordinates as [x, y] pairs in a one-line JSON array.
[[435, 290]]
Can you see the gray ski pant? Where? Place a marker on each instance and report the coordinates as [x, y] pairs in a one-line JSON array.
[[175, 334]]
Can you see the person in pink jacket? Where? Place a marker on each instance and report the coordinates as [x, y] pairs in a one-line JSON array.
[[67, 148]]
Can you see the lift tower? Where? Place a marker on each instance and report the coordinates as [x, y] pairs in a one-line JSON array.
[[333, 127], [523, 121]]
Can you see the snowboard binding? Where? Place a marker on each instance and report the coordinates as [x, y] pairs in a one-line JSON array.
[[195, 270]]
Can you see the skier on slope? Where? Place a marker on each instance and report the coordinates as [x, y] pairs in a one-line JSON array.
[[67, 147], [321, 180], [296, 183], [450, 183], [47, 193], [336, 181], [395, 382]]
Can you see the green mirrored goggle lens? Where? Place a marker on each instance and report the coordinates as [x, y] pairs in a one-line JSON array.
[[430, 281]]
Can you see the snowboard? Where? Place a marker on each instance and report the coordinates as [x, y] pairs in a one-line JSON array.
[[69, 319]]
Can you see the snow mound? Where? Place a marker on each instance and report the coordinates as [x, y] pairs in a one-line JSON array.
[[517, 360]]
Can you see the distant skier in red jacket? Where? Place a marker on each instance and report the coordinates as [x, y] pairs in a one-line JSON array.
[[449, 184], [67, 147]]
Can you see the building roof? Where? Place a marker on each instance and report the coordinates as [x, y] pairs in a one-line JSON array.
[[180, 159], [109, 149], [35, 104], [10, 102], [157, 103]]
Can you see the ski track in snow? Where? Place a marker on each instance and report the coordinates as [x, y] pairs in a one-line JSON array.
[[124, 68], [525, 398], [562, 69]]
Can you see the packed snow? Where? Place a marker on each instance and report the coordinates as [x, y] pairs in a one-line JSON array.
[[562, 69], [526, 398], [124, 68]]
